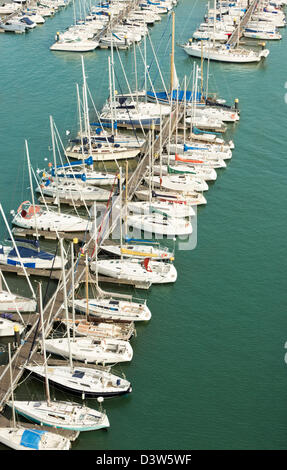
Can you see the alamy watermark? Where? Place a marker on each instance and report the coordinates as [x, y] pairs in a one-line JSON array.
[[153, 223]]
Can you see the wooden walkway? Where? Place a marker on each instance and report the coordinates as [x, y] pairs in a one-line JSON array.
[[238, 31], [116, 20]]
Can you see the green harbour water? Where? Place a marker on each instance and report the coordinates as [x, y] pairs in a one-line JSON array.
[[208, 370]]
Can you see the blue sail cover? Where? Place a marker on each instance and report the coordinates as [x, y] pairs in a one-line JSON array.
[[179, 95], [81, 176], [31, 438], [139, 240], [88, 161], [29, 253], [198, 131], [27, 20], [104, 125], [188, 147]]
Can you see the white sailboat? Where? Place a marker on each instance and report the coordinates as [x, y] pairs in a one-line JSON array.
[[62, 415], [90, 382], [147, 250], [47, 219], [170, 208], [89, 350], [203, 160], [208, 174], [193, 198], [154, 272], [67, 190], [21, 438], [95, 328], [111, 309], [160, 225], [179, 182], [197, 150]]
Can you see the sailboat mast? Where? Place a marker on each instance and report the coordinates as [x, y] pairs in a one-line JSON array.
[[150, 164], [214, 19], [172, 56], [126, 198], [113, 82], [136, 74], [32, 192], [87, 286], [160, 146], [86, 106], [80, 120], [201, 67], [11, 383], [44, 346], [66, 302], [145, 69], [73, 286], [111, 95], [184, 112], [121, 213], [55, 163]]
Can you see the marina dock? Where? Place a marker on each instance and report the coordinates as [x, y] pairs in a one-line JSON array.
[[237, 34], [181, 204], [26, 351]]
